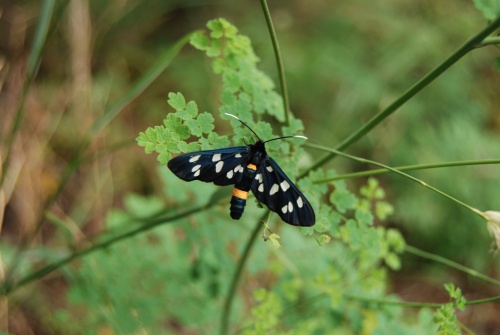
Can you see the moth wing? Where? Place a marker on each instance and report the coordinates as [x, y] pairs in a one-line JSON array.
[[273, 188], [221, 166]]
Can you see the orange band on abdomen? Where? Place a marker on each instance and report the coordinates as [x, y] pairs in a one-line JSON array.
[[252, 167], [240, 194]]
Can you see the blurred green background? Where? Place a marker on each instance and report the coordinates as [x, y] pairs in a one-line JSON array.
[[345, 61]]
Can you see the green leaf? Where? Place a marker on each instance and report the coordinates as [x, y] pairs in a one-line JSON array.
[[205, 122], [200, 41], [383, 210], [342, 199], [164, 157], [176, 100], [218, 66], [296, 127], [489, 8], [151, 134], [193, 146], [364, 216], [231, 81], [447, 320], [497, 64], [393, 261], [189, 112], [217, 30], [174, 124], [183, 146], [214, 49], [194, 127], [229, 29]]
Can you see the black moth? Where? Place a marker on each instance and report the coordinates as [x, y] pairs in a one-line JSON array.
[[247, 168]]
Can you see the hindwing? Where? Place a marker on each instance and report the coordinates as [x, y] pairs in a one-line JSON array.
[[273, 188], [221, 166]]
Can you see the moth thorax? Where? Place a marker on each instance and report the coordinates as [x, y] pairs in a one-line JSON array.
[[257, 158]]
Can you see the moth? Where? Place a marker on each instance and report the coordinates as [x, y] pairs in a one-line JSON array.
[[247, 168]]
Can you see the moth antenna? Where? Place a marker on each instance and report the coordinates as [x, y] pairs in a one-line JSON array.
[[277, 138], [292, 136], [244, 125]]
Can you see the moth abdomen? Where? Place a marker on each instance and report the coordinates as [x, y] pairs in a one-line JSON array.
[[238, 202]]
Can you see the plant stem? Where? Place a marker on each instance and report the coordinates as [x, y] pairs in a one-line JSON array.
[[493, 40], [139, 86], [367, 161], [414, 304], [7, 287], [407, 168], [410, 93], [279, 61], [427, 255], [226, 311]]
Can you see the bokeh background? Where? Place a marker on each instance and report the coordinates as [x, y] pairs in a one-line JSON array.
[[345, 61]]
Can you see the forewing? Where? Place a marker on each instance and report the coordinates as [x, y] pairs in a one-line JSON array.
[[274, 189], [221, 166]]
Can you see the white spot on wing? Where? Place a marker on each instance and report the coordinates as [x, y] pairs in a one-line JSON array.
[[194, 158], [290, 206], [229, 175], [284, 209], [284, 185], [237, 156], [261, 188], [197, 173], [300, 203], [259, 177], [219, 166], [239, 168], [216, 157], [274, 189], [269, 168], [196, 168]]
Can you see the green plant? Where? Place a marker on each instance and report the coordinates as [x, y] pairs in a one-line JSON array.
[[196, 271]]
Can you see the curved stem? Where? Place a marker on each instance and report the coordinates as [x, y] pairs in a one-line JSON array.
[[286, 107], [279, 61], [139, 86], [410, 93], [415, 304], [226, 311], [427, 255], [367, 161], [406, 168], [7, 287]]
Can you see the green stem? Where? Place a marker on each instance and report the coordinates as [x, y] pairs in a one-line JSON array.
[[9, 287], [465, 328], [406, 168], [139, 86], [414, 304], [226, 311], [248, 247], [420, 253], [493, 40], [410, 93], [279, 62], [31, 69], [367, 161], [410, 304]]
